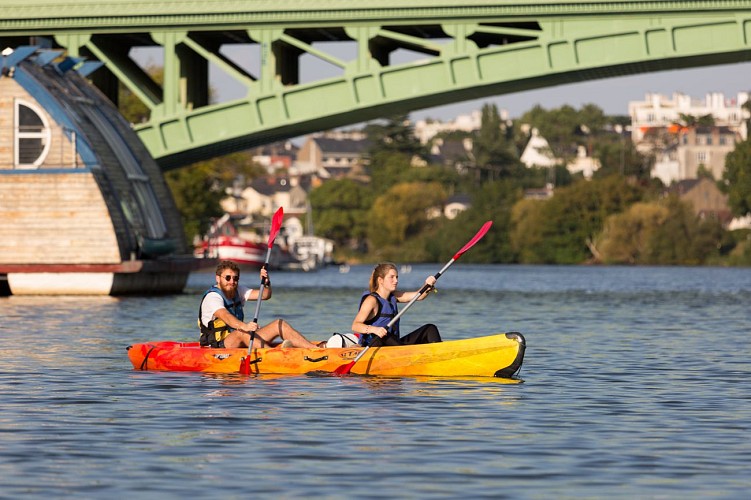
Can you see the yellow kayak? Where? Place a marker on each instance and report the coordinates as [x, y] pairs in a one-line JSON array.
[[498, 355]]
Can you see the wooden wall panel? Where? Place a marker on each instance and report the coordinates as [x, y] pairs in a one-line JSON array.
[[50, 218]]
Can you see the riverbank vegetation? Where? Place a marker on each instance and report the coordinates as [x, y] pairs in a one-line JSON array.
[[620, 216]]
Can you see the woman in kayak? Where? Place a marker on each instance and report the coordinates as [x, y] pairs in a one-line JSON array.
[[220, 315], [379, 306]]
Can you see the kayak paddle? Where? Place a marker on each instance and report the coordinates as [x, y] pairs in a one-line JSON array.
[[345, 369], [276, 223]]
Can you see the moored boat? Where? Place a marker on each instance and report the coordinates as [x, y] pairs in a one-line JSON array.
[[499, 355], [224, 243], [242, 252]]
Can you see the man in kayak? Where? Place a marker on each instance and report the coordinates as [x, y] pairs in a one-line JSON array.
[[379, 305], [220, 315]]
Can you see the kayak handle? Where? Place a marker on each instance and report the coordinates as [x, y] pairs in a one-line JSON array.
[[316, 360]]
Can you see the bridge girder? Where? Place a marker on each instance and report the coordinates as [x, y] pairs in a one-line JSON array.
[[448, 54]]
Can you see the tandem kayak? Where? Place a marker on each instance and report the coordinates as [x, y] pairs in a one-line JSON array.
[[498, 355]]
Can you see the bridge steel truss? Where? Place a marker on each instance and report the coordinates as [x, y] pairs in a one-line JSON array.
[[404, 55]]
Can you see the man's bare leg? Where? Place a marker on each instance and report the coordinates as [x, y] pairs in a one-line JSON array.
[[283, 330], [241, 339]]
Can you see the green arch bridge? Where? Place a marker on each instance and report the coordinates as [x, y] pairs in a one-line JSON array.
[[403, 55]]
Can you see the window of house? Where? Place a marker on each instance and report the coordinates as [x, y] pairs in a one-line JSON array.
[[723, 140], [32, 140], [701, 156]]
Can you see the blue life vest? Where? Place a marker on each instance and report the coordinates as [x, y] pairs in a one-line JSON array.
[[387, 310], [214, 334]]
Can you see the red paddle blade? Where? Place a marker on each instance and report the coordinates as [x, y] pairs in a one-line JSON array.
[[276, 224], [245, 365], [484, 229], [344, 369]]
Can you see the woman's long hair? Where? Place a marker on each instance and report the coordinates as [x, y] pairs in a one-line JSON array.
[[380, 271]]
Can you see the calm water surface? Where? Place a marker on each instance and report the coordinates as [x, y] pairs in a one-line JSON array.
[[636, 384]]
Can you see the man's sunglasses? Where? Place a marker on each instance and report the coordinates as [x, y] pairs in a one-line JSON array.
[[229, 278]]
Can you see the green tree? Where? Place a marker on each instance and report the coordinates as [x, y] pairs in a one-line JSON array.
[[627, 235], [527, 219], [736, 179], [740, 252], [565, 128], [197, 197], [620, 157], [667, 232], [400, 213], [340, 211], [490, 202], [495, 156], [683, 239], [396, 135], [561, 230], [393, 146], [592, 117], [444, 175], [388, 168]]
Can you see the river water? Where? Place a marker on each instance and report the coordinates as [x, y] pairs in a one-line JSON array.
[[636, 383]]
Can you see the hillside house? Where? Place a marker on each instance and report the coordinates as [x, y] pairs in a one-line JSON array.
[[705, 197], [455, 205], [659, 111], [537, 152], [425, 130], [583, 163], [453, 153], [264, 195], [333, 155], [275, 156], [690, 149]]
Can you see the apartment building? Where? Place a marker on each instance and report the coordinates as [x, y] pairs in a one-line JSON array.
[[673, 131], [660, 111]]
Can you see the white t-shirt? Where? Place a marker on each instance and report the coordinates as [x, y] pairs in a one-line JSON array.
[[213, 302]]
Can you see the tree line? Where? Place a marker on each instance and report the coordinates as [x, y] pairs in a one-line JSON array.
[[620, 216]]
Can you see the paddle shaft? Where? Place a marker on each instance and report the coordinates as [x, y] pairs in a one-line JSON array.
[[276, 223], [258, 303], [260, 290]]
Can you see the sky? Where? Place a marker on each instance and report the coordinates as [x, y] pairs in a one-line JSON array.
[[612, 95]]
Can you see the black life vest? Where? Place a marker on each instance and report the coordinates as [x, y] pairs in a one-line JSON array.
[[217, 330]]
